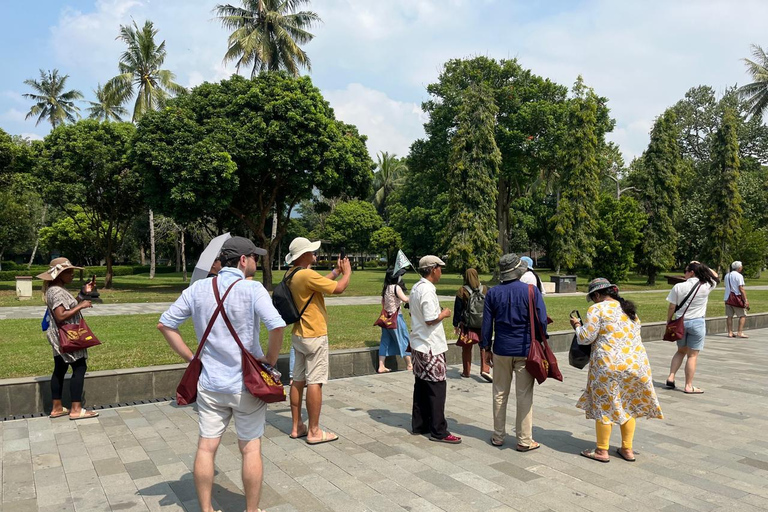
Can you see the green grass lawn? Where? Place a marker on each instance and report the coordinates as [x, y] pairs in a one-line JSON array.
[[166, 287], [133, 341]]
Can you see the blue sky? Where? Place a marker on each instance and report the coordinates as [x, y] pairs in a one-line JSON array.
[[373, 59]]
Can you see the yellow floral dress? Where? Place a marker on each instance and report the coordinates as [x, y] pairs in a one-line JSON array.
[[619, 386]]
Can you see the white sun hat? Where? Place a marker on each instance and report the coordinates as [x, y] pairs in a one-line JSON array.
[[299, 246]]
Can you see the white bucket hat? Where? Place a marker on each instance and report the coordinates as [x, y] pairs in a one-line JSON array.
[[300, 246]]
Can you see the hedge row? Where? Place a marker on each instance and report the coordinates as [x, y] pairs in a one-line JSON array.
[[117, 270]]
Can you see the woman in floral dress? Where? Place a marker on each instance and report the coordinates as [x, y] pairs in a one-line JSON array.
[[619, 386]]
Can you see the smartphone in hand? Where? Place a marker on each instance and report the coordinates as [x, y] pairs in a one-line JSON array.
[[93, 279], [575, 315], [342, 253]]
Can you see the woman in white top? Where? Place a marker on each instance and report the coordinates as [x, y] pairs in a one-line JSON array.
[[394, 342], [694, 291]]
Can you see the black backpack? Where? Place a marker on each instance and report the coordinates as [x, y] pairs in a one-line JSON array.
[[282, 299], [473, 313]]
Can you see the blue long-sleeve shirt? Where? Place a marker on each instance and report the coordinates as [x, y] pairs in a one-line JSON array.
[[506, 312]]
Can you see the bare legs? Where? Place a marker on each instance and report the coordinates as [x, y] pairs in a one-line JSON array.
[[314, 404], [251, 469], [690, 366]]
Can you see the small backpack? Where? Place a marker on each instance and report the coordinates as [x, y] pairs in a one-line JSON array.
[[473, 313], [282, 299]]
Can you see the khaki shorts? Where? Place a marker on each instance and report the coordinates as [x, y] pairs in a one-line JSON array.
[[311, 364], [731, 311], [216, 409]]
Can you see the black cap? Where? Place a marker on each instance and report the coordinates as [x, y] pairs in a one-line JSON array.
[[238, 246]]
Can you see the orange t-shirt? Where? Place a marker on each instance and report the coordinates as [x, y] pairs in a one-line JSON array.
[[314, 321]]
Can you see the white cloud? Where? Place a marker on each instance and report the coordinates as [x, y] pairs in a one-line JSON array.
[[13, 96], [13, 115], [390, 125], [31, 136]]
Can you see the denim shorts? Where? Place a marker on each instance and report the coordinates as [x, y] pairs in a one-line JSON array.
[[695, 330]]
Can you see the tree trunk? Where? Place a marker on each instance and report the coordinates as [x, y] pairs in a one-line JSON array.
[[37, 238], [183, 258], [502, 215], [108, 277], [652, 277], [151, 244], [142, 255], [178, 253], [2, 250]]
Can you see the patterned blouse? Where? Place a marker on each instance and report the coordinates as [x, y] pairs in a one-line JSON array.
[[619, 386], [57, 296]]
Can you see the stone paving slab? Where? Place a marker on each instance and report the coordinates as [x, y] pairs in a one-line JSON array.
[[708, 454]]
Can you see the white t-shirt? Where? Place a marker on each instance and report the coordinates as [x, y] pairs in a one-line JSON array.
[[733, 278], [425, 307], [529, 278], [698, 307]]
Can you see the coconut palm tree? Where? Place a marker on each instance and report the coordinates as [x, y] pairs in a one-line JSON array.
[[140, 73], [267, 34], [105, 108], [388, 175], [756, 93], [51, 102]]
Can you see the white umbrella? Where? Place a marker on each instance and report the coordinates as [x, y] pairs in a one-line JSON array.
[[208, 256]]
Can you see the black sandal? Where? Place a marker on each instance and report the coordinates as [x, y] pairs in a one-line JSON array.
[[670, 384]]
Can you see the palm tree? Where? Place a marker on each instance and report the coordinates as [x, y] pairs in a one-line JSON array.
[[267, 34], [51, 102], [140, 73], [388, 176], [756, 93], [105, 108]]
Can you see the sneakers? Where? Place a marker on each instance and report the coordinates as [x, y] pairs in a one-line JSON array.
[[450, 438]]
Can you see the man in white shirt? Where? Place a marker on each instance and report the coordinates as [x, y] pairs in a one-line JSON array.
[[429, 347], [734, 282], [220, 390]]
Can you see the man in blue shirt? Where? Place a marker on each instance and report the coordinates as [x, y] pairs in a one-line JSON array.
[[220, 391], [506, 313]]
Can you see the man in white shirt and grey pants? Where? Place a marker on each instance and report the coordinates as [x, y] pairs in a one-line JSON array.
[[734, 282], [220, 391]]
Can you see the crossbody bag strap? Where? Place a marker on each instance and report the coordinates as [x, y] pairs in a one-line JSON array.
[[531, 313], [689, 304], [678, 306], [224, 316], [219, 309]]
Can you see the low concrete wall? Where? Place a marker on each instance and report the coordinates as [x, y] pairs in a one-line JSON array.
[[32, 395]]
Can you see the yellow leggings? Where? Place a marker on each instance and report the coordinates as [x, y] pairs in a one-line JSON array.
[[604, 434]]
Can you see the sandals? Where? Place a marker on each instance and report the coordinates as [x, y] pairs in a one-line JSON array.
[[84, 415], [621, 454], [64, 412], [487, 376], [590, 454], [494, 442], [534, 446], [695, 391], [670, 384], [327, 438], [450, 439], [385, 370], [300, 435]]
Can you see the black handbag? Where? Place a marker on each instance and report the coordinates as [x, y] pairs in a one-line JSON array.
[[578, 355]]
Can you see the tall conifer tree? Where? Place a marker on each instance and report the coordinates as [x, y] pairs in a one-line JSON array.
[[657, 179], [471, 233], [575, 221], [725, 210]]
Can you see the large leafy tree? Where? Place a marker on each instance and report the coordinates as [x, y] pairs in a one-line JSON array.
[[84, 169], [351, 224], [267, 34], [389, 175], [756, 93], [574, 224], [724, 205], [619, 230], [242, 149], [471, 232], [52, 102], [105, 108], [386, 240], [141, 75], [657, 176]]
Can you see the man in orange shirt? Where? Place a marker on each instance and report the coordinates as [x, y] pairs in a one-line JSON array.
[[310, 335]]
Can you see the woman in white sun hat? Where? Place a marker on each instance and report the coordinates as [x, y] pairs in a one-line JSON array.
[[63, 308]]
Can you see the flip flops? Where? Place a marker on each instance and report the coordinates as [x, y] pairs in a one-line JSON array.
[[534, 446], [84, 415], [621, 454], [487, 376], [670, 384], [64, 412], [327, 438], [590, 454], [450, 439], [302, 434], [494, 442], [695, 391]]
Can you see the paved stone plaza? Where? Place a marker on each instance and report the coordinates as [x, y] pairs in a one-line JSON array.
[[707, 454]]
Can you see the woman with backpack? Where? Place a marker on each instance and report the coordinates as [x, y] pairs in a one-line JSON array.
[[394, 342], [468, 322]]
